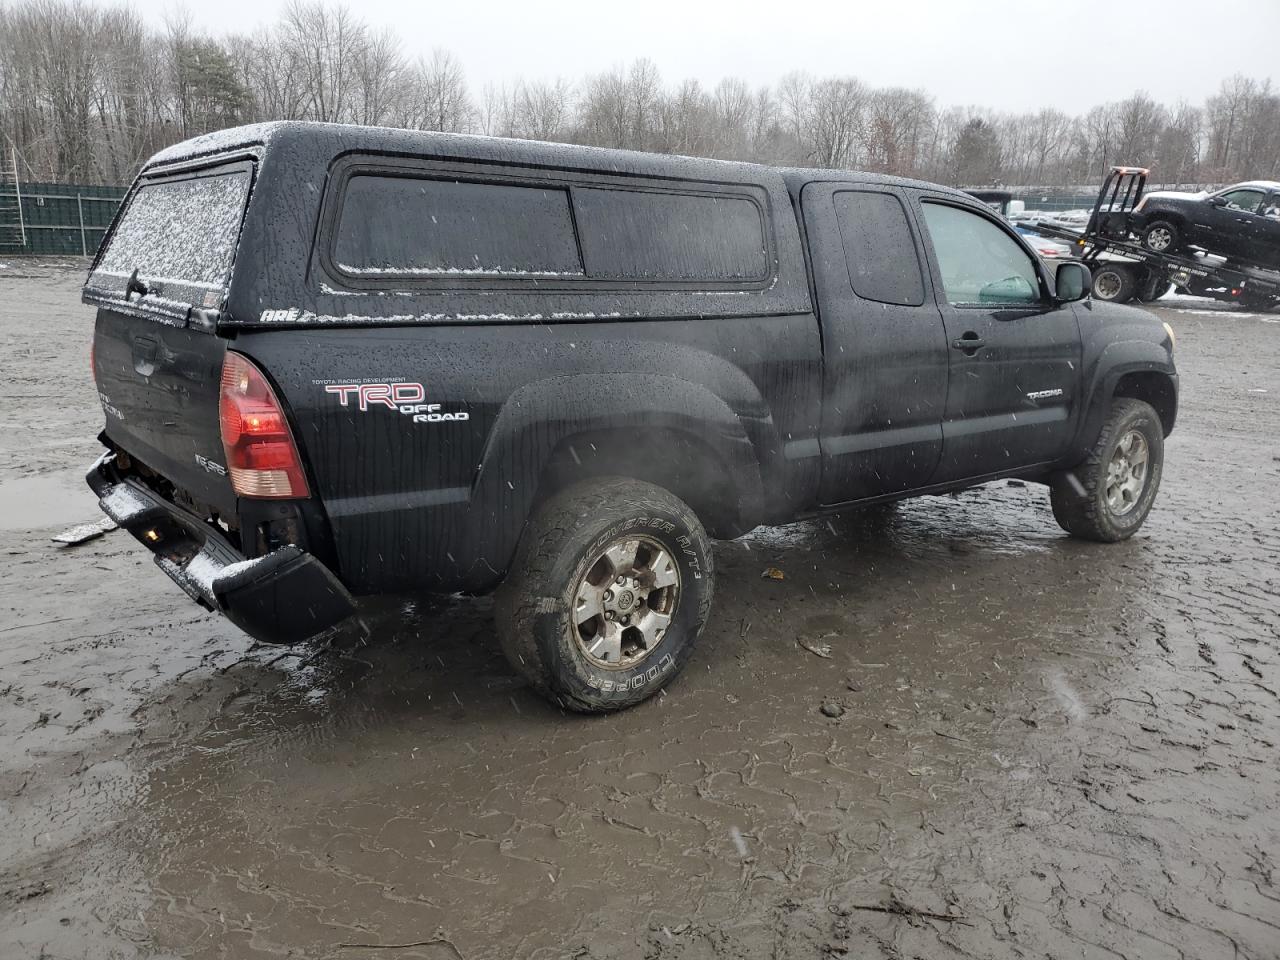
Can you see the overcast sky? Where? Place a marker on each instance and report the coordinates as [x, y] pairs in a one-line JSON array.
[[1004, 54]]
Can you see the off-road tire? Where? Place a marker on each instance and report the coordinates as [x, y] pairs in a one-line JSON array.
[[1089, 517], [559, 543], [1157, 231], [1114, 283]]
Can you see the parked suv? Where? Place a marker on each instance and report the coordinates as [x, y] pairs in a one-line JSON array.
[[338, 361], [1240, 222]]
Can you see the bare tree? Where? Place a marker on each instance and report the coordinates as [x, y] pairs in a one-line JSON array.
[[685, 121], [835, 120], [1048, 131], [442, 94], [380, 79], [604, 112], [894, 130], [543, 110], [732, 109], [325, 46], [88, 91]]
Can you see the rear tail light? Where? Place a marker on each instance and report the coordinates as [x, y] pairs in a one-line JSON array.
[[261, 456]]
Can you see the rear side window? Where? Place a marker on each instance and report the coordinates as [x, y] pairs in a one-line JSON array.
[[407, 225], [179, 232], [882, 258], [642, 235], [423, 227]]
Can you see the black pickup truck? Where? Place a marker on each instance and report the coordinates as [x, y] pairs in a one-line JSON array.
[[1241, 222], [338, 361]]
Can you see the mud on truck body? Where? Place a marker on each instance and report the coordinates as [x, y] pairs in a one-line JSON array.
[[341, 361]]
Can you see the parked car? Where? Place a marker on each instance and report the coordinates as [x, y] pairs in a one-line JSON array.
[[1241, 222], [1013, 210], [1045, 247], [338, 361]]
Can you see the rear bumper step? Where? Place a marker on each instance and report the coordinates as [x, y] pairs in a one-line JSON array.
[[286, 596]]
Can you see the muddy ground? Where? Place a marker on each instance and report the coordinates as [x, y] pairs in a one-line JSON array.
[[1049, 748]]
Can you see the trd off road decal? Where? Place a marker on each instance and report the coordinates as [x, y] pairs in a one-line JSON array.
[[403, 396]]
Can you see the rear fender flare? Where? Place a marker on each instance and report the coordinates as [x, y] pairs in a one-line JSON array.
[[539, 416]]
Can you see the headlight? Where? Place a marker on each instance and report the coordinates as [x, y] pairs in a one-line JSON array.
[[1173, 341]]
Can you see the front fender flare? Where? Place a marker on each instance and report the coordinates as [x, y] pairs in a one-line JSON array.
[[1117, 359]]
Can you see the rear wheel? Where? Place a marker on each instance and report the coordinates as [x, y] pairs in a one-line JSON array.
[[610, 588], [1117, 483], [1161, 237], [1114, 283], [1259, 303], [1155, 286]]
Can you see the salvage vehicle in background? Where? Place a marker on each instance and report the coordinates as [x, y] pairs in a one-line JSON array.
[[1241, 223], [337, 361], [1119, 242]]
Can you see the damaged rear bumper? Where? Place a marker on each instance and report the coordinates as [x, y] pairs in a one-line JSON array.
[[286, 596]]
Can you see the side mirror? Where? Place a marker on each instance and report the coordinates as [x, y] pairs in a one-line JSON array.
[[1072, 282], [1217, 201]]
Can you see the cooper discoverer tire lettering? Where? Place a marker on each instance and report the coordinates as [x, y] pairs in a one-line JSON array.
[[610, 588]]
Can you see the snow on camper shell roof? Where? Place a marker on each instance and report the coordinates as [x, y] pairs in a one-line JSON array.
[[335, 138], [338, 138]]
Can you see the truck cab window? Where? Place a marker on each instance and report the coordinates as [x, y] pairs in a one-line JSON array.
[[882, 258], [1246, 200], [979, 262]]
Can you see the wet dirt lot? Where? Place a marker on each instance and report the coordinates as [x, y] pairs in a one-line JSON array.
[[1048, 748]]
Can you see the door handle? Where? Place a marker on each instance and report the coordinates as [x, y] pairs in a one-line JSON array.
[[144, 355], [970, 343]]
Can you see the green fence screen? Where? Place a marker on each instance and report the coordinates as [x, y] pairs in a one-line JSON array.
[[55, 218]]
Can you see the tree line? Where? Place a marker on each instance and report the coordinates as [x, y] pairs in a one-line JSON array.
[[88, 92]]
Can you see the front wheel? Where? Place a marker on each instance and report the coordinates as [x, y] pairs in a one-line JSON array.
[[1117, 483], [610, 588]]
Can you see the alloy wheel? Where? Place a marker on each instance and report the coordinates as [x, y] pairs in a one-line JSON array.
[[625, 601], [1127, 473]]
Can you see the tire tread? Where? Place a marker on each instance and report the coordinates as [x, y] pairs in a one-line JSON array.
[[539, 549], [1084, 517]]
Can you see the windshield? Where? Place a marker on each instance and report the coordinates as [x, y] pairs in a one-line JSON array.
[[180, 236]]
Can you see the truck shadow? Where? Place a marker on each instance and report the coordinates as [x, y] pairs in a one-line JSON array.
[[417, 763], [857, 583]]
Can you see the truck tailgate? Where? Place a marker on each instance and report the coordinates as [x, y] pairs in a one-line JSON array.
[[159, 390], [163, 270]]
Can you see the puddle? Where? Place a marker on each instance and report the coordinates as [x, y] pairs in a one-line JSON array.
[[46, 500]]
